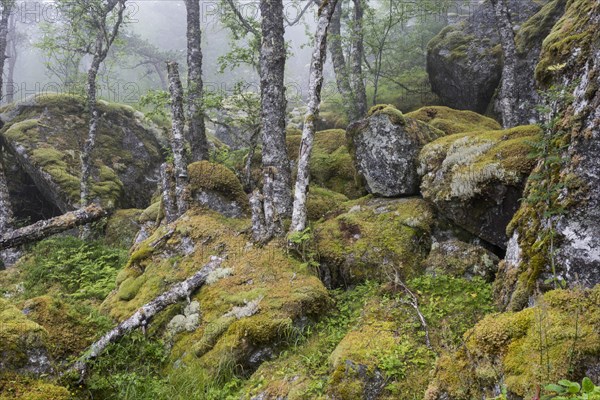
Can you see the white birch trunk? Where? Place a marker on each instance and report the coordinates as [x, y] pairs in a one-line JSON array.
[[315, 84]]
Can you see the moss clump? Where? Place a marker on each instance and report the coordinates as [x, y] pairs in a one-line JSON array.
[[18, 337], [452, 121], [375, 239], [454, 39], [461, 165], [574, 30], [524, 350], [322, 201], [152, 213], [396, 117], [205, 175], [535, 29], [19, 387], [122, 227]]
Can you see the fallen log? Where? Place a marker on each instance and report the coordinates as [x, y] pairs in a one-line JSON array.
[[182, 290], [43, 229]]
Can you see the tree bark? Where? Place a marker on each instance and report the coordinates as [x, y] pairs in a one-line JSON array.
[[197, 128], [276, 164], [299, 214], [102, 45], [340, 68], [168, 197], [179, 291], [508, 94], [10, 256], [7, 8], [357, 54], [12, 59], [177, 139], [42, 229]]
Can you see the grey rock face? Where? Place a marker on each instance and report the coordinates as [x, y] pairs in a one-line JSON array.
[[464, 61], [385, 148], [220, 203]]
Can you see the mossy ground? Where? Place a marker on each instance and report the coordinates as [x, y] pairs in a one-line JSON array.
[[375, 239], [524, 350]]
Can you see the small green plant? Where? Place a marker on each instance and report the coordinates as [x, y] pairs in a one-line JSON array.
[[82, 270], [566, 389], [302, 244]]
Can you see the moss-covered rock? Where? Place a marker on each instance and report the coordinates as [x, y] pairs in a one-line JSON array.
[[331, 164], [45, 134], [456, 258], [216, 187], [523, 351], [385, 147], [374, 239], [452, 121], [22, 342], [19, 387], [476, 178], [122, 227], [277, 291], [322, 201]]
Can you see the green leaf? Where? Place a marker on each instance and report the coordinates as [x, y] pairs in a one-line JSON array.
[[587, 385], [555, 388]]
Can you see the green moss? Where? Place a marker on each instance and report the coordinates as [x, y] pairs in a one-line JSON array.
[[205, 175], [130, 287], [322, 201], [536, 28], [122, 227], [573, 30], [525, 349], [20, 387], [452, 121], [376, 239], [451, 38], [18, 336], [396, 117]]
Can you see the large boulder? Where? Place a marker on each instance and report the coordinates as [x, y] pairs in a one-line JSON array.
[[570, 59], [476, 178], [245, 313], [385, 147], [45, 134], [374, 239], [464, 61]]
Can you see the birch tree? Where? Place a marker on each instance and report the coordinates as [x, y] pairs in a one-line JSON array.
[[105, 19], [197, 128], [275, 161], [508, 95], [299, 215]]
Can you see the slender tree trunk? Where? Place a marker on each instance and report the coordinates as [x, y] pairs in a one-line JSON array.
[[177, 138], [167, 188], [197, 128], [7, 257], [276, 164], [508, 94], [340, 68], [299, 215], [7, 8], [259, 228], [12, 59], [144, 314], [164, 83], [42, 229], [358, 51]]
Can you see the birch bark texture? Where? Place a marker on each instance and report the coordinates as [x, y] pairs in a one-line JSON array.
[[315, 84], [275, 160], [105, 36], [197, 128], [177, 138], [508, 94]]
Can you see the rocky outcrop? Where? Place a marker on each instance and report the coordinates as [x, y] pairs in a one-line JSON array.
[[385, 147], [44, 134], [546, 252], [375, 239], [476, 178], [464, 61], [216, 187], [457, 258]]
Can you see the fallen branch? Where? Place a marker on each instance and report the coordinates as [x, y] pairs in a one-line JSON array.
[[42, 229], [415, 304], [182, 290]]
